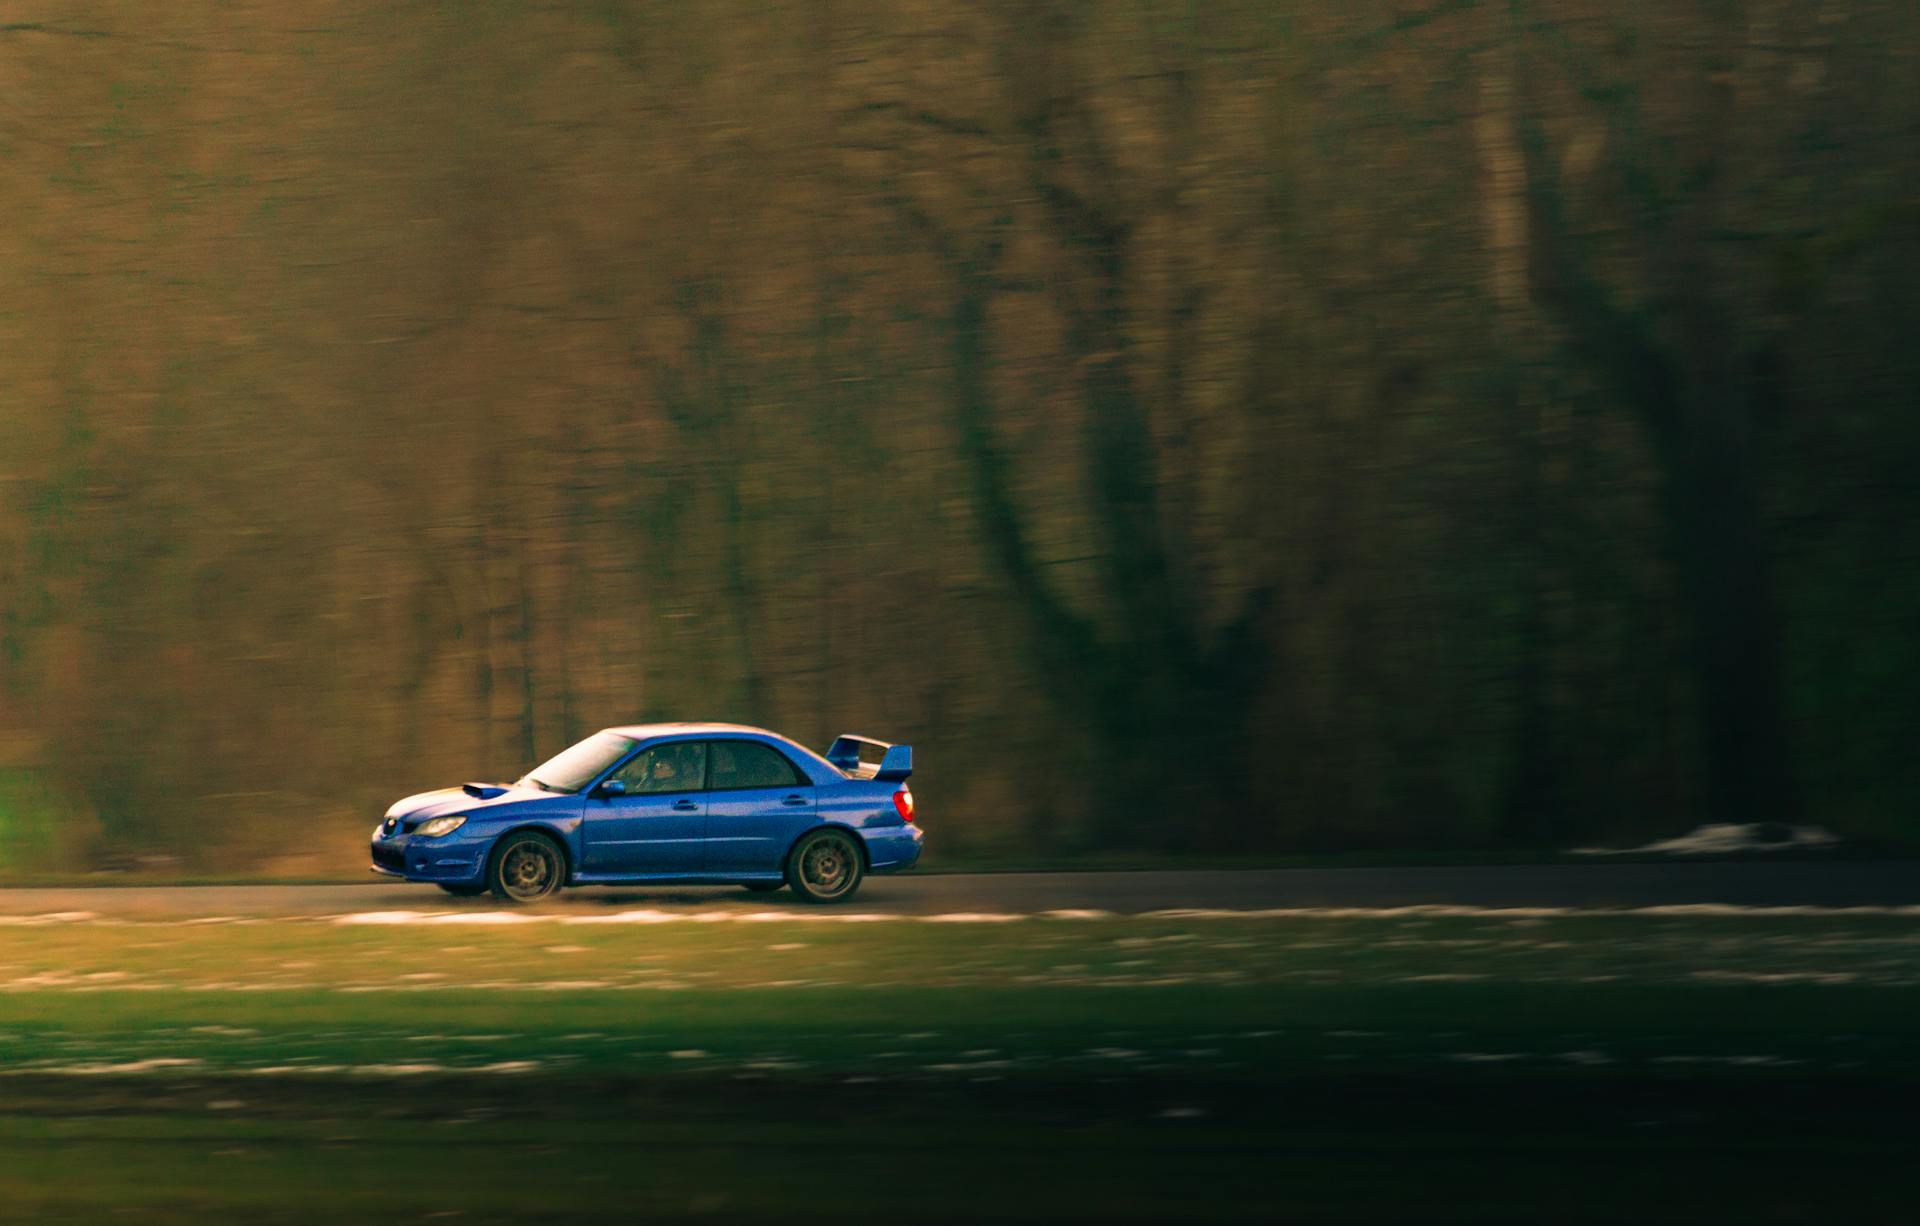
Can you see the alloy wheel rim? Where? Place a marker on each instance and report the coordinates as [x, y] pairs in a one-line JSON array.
[[827, 866], [529, 871]]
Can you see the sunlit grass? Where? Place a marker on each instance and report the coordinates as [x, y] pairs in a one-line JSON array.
[[1214, 997], [1037, 1069]]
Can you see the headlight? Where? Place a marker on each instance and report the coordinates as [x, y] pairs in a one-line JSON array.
[[439, 826]]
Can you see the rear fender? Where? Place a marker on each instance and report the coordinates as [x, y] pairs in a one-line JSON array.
[[863, 805], [866, 856]]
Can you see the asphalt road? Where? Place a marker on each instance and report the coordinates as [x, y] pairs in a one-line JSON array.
[[1802, 883]]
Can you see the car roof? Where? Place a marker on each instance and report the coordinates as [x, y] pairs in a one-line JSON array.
[[641, 732], [821, 770]]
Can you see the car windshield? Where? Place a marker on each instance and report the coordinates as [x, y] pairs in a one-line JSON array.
[[572, 769]]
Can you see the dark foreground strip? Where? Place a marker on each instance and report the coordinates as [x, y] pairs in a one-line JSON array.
[[1477, 1145]]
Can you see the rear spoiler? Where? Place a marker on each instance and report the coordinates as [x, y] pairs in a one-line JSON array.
[[896, 761]]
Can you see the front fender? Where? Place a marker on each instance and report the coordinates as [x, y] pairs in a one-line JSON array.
[[563, 830]]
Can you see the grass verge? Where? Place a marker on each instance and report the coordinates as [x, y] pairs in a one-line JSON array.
[[1488, 1069]]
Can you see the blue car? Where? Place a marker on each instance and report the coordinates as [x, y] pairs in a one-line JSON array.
[[706, 804]]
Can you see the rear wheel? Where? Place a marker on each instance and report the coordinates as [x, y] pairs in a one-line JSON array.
[[825, 867], [463, 891], [525, 867], [763, 887]]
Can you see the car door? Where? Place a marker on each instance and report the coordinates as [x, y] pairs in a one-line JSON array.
[[758, 802], [657, 821]]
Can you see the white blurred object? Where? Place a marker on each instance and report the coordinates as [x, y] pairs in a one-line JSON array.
[[1727, 837]]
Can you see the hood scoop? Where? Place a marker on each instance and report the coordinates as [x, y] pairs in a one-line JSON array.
[[483, 791]]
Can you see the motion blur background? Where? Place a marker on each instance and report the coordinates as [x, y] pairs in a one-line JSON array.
[[1367, 425]]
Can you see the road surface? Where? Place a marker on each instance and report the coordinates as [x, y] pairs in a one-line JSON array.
[[1813, 884]]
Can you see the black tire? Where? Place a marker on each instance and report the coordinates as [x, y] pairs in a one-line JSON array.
[[526, 867], [763, 887], [825, 866], [463, 891]]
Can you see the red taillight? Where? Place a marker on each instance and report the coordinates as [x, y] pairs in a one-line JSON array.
[[903, 801]]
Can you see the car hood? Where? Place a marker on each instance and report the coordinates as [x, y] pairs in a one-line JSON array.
[[443, 801]]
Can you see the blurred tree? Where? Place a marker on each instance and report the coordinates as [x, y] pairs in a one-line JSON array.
[[1333, 426]]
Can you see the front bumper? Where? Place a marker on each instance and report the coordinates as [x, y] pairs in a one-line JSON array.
[[417, 859]]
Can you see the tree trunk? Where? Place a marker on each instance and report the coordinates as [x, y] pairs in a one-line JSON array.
[[1693, 398], [1720, 547]]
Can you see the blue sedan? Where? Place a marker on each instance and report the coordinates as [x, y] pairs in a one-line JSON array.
[[707, 804]]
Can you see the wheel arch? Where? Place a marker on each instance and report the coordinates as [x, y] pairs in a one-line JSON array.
[[541, 828], [866, 856]]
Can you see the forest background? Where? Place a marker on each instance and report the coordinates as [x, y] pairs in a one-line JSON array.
[[1228, 428]]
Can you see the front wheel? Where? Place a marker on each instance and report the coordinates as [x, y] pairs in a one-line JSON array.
[[825, 867], [525, 867]]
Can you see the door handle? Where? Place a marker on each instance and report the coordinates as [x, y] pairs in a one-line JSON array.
[[794, 800], [685, 806]]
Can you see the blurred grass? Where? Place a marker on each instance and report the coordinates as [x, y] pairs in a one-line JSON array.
[[1354, 1149], [1233, 999], [1662, 1068]]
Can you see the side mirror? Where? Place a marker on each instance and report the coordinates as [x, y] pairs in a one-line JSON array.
[[612, 788]]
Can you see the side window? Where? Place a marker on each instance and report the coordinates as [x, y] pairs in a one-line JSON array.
[[679, 766], [749, 764]]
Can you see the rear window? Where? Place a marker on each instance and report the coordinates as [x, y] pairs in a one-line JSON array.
[[750, 764]]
